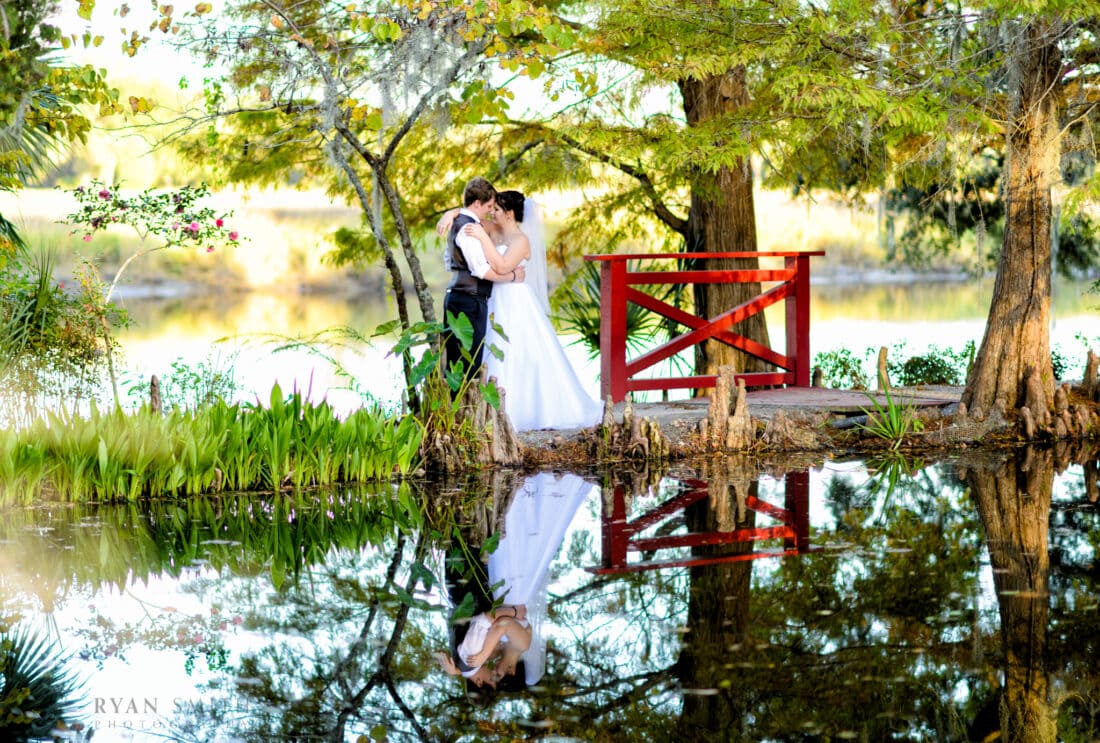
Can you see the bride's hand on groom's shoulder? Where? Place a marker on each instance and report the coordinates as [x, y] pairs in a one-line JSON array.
[[443, 226], [475, 230]]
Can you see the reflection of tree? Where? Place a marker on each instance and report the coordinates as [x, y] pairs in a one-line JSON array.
[[1014, 500], [718, 601], [870, 639], [363, 664]]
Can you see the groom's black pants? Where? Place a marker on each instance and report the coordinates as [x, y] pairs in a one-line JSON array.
[[476, 309]]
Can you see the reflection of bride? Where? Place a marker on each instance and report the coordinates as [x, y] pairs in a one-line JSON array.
[[541, 388], [497, 643], [534, 528]]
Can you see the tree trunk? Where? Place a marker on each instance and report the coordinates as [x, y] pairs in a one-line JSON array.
[[723, 220], [1014, 505], [1017, 334]]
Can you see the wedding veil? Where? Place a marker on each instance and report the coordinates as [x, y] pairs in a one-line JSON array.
[[536, 264]]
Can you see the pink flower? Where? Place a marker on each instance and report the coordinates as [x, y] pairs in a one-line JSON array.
[[238, 619], [219, 222], [209, 248], [104, 194], [194, 227], [87, 238], [233, 235], [196, 639], [175, 225]]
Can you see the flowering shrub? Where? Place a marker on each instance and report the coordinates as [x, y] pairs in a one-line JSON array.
[[173, 217]]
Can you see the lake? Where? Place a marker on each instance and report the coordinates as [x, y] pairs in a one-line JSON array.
[[729, 600], [240, 330]]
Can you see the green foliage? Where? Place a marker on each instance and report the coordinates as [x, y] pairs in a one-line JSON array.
[[891, 422], [578, 312], [841, 369], [937, 215], [173, 217], [38, 694], [936, 366], [442, 393], [42, 100], [968, 207], [53, 342], [189, 386], [290, 443]]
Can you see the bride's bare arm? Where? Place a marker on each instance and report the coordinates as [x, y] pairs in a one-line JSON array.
[[510, 260], [443, 226]]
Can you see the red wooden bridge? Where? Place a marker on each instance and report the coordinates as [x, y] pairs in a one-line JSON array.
[[790, 284]]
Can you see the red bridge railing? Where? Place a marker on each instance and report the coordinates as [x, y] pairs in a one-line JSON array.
[[618, 375]]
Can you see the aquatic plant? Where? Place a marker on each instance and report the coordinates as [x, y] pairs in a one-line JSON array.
[[188, 385], [841, 369], [291, 442], [937, 365], [55, 344]]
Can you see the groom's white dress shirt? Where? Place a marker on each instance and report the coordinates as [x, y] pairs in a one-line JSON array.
[[471, 249]]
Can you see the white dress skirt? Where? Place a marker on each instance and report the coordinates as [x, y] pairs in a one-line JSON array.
[[541, 388]]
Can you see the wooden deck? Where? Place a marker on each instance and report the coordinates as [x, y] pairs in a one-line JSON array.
[[764, 403], [845, 402], [680, 416]]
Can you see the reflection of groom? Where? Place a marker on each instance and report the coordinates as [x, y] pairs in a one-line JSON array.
[[472, 275]]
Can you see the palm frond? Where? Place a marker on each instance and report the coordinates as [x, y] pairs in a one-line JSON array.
[[37, 691]]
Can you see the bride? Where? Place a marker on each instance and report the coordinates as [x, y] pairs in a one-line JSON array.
[[541, 388]]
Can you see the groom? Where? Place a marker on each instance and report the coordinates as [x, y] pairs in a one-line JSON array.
[[472, 275]]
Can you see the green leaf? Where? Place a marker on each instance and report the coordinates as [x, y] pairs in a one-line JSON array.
[[490, 545], [465, 609], [462, 328], [491, 394]]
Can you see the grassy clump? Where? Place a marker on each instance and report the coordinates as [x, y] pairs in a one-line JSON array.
[[291, 443]]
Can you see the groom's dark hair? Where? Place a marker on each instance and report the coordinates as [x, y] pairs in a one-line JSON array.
[[478, 189]]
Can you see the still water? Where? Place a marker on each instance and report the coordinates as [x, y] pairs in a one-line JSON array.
[[733, 600]]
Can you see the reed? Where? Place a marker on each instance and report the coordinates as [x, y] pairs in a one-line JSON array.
[[115, 455]]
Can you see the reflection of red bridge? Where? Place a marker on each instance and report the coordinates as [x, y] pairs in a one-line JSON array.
[[620, 536]]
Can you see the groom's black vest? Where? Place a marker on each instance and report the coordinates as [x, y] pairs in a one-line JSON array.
[[462, 280]]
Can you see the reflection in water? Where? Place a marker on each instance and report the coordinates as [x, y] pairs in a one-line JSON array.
[[499, 640], [946, 602]]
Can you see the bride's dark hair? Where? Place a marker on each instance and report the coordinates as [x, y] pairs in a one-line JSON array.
[[511, 201]]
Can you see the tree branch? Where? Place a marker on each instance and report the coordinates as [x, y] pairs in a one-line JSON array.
[[660, 209]]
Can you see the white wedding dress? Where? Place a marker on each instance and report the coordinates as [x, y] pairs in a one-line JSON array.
[[541, 388]]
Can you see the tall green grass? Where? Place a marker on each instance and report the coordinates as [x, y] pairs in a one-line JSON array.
[[115, 455]]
